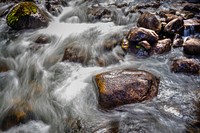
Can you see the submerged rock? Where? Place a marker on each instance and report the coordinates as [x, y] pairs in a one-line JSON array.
[[25, 15], [162, 46], [191, 7], [16, 116], [119, 87], [149, 21], [55, 6], [76, 54], [43, 39], [141, 34], [100, 14], [3, 66], [185, 65], [192, 46], [174, 26], [178, 41]]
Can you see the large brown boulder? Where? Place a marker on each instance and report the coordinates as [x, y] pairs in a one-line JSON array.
[[26, 15], [185, 65], [192, 46], [162, 46], [174, 26], [141, 34], [119, 87], [149, 21]]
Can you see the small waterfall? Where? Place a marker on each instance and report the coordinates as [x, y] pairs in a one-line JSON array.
[[189, 30]]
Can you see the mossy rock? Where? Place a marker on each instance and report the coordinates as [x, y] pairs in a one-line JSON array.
[[26, 15]]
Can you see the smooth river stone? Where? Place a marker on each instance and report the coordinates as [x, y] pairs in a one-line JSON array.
[[119, 87]]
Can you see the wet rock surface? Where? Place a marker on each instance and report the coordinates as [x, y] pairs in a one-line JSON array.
[[174, 26], [149, 21], [25, 15], [55, 7], [76, 54], [162, 46], [43, 39], [185, 65], [178, 41], [192, 46], [16, 116], [141, 34], [121, 87], [100, 14]]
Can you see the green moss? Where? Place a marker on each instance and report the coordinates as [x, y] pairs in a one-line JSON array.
[[20, 10], [138, 46]]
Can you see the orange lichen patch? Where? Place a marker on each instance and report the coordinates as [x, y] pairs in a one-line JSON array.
[[100, 84], [19, 115]]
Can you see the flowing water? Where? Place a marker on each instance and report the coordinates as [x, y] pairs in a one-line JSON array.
[[61, 93]]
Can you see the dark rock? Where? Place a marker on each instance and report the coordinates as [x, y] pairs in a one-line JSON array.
[[174, 26], [192, 46], [121, 4], [178, 41], [111, 42], [25, 15], [141, 34], [76, 54], [121, 87], [149, 21], [3, 66], [170, 17], [191, 7], [55, 6], [193, 1], [164, 12], [148, 5], [43, 39], [187, 14], [162, 46], [145, 45], [100, 14], [140, 49], [184, 65], [16, 116]]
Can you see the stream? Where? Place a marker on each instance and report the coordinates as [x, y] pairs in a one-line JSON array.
[[61, 94]]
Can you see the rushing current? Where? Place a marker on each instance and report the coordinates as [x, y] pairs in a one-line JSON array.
[[61, 94]]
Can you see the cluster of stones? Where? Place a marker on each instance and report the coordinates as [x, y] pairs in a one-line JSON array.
[[154, 34]]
